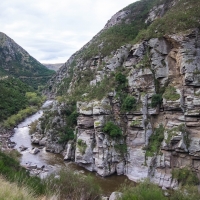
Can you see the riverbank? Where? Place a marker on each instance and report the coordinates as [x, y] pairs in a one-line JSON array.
[[44, 163]]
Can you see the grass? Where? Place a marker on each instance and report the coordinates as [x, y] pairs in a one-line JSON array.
[[69, 185], [176, 130], [187, 192], [82, 146], [185, 176], [149, 191], [143, 191], [118, 35], [75, 186], [13, 172], [11, 191], [183, 16], [33, 127], [171, 94]]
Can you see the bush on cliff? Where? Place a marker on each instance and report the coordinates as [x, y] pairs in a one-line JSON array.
[[112, 129], [171, 94], [156, 100], [155, 141], [129, 103]]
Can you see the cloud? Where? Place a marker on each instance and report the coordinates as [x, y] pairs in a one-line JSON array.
[[51, 30]]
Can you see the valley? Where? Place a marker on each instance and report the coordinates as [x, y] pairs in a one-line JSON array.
[[125, 107]]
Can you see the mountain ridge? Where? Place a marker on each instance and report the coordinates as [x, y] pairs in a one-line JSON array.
[[16, 61]]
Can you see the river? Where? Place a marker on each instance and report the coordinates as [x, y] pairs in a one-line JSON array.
[[53, 162]]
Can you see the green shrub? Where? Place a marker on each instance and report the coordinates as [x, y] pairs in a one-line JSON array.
[[72, 119], [66, 135], [120, 78], [155, 141], [11, 191], [112, 129], [185, 176], [181, 17], [143, 191], [81, 146], [121, 148], [129, 103], [15, 119], [187, 192], [175, 131], [171, 94], [156, 100], [72, 185], [11, 169], [33, 127], [12, 97]]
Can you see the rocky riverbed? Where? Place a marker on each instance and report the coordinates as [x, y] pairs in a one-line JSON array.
[[38, 161]]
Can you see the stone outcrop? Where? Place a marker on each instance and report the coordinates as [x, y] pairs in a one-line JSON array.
[[165, 70], [173, 64]]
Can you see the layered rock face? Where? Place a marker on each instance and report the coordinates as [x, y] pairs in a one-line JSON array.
[[170, 67]]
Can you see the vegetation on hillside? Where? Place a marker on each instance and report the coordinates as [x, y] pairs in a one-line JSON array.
[[112, 129], [124, 33], [149, 191], [155, 141], [12, 96], [67, 185], [17, 101], [20, 64], [185, 176], [10, 191], [181, 17]]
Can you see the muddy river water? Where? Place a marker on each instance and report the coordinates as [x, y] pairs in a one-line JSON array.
[[53, 162]]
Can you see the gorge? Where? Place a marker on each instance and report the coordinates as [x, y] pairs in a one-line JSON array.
[[128, 102]]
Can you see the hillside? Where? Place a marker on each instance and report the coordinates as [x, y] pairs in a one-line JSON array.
[[54, 67], [15, 61], [128, 101]]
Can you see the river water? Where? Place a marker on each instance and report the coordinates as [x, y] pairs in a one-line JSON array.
[[53, 162]]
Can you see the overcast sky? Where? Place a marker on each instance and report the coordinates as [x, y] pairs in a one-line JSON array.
[[52, 30]]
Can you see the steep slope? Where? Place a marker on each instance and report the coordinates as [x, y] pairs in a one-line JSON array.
[[12, 96], [54, 67], [136, 105], [14, 60]]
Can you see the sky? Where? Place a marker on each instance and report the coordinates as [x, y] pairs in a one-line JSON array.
[[52, 30]]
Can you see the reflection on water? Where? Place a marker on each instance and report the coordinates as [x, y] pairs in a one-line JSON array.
[[108, 184], [55, 161]]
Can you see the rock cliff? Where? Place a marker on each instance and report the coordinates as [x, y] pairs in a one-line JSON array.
[[137, 107]]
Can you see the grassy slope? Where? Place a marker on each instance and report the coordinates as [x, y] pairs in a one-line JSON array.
[[183, 16], [123, 33]]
